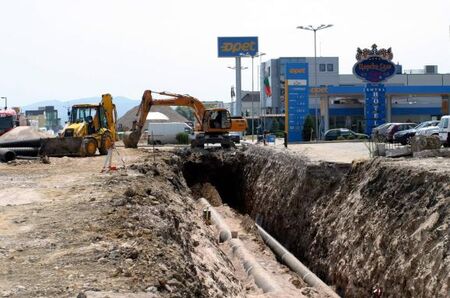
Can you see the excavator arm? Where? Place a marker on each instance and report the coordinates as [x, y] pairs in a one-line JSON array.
[[131, 138]]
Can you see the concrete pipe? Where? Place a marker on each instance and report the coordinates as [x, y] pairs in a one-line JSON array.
[[253, 268], [7, 155], [224, 230], [262, 278], [292, 262]]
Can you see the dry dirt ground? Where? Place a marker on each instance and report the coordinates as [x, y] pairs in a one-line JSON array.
[[67, 230]]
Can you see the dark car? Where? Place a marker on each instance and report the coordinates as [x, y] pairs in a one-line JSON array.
[[379, 132], [404, 136], [343, 133], [395, 127]]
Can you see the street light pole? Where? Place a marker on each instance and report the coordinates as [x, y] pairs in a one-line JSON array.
[[6, 101], [260, 90], [237, 109], [315, 29]]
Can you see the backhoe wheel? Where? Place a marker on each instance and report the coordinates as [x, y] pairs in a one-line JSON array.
[[105, 144], [89, 147]]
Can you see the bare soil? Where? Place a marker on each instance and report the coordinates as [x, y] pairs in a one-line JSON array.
[[66, 229]]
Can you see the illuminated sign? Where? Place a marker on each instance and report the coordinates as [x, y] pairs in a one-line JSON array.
[[237, 46], [297, 100]]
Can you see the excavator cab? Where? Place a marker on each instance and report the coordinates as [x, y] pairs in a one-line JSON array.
[[217, 120]]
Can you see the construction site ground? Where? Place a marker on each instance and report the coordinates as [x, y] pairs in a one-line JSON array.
[[67, 230]]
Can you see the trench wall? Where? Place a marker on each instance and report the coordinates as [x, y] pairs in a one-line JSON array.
[[370, 225]]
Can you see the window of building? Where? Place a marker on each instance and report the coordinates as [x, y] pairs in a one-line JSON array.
[[321, 67], [330, 67]]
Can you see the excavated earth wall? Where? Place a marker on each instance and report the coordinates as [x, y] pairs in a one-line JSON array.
[[373, 225]]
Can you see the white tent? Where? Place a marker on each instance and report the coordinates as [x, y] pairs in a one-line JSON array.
[[157, 116]]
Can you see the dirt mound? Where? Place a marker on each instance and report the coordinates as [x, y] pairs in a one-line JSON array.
[[377, 224], [207, 191], [135, 234], [23, 133]]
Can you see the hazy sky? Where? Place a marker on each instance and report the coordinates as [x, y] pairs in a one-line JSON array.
[[69, 49]]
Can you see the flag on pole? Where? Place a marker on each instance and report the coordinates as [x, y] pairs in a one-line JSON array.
[[233, 95], [267, 89]]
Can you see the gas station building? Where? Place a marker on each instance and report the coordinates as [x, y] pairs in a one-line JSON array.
[[411, 96]]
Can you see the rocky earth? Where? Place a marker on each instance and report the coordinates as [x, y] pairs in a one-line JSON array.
[[125, 234], [377, 225]]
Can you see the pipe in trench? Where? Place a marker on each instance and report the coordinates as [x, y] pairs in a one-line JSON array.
[[262, 278], [7, 155], [292, 262]]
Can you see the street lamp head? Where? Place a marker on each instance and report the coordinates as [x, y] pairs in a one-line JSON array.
[[312, 28]]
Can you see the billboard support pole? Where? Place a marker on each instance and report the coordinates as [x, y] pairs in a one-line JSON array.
[[237, 110]]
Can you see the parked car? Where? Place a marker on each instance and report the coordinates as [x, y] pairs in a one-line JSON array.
[[428, 131], [404, 136], [343, 133], [379, 132], [444, 130], [395, 127]]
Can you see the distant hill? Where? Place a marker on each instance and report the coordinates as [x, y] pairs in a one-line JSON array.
[[123, 104]]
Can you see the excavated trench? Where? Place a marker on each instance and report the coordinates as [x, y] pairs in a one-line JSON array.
[[370, 225]]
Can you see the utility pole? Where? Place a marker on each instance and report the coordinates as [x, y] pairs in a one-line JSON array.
[[315, 29]]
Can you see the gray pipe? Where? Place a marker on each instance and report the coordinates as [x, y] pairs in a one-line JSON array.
[[262, 278], [295, 265], [7, 155], [224, 230]]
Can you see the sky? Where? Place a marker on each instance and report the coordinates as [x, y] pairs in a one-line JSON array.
[[61, 49]]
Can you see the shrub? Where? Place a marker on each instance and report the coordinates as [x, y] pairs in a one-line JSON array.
[[308, 128], [340, 138], [279, 134], [182, 138]]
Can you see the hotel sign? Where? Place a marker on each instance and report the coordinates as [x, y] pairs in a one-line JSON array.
[[374, 66]]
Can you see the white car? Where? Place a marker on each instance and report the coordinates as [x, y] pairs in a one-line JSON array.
[[444, 130], [430, 130]]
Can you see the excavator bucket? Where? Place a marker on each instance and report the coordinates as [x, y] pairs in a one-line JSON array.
[[131, 139], [61, 147]]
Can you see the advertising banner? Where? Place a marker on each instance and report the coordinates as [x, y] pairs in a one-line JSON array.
[[237, 46], [297, 99]]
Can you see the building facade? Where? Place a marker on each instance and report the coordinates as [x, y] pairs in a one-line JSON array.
[[45, 116], [411, 96]]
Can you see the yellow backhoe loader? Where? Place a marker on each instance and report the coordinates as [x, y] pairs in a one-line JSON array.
[[90, 127]]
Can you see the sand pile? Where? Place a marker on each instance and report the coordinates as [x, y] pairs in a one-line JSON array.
[[23, 133]]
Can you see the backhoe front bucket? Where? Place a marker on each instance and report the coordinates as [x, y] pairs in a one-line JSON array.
[[62, 147], [131, 139]]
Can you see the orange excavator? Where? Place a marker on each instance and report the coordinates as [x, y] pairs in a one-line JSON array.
[[212, 125]]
